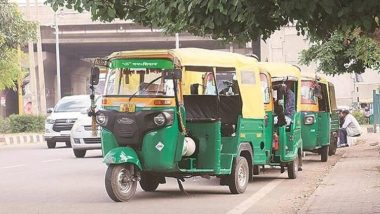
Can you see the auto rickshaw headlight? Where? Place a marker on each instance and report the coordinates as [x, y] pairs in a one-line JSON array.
[[101, 119], [163, 118], [309, 120]]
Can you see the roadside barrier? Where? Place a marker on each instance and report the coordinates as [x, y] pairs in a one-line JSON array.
[[23, 138]]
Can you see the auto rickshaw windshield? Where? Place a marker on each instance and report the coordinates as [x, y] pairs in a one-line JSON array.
[[142, 82]]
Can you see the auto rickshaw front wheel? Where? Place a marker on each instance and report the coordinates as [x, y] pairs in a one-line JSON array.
[[121, 182], [238, 180]]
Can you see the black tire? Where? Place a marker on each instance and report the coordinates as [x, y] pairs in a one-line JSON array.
[[333, 145], [293, 168], [51, 144], [256, 170], [68, 144], [324, 153], [120, 182], [79, 153], [149, 182], [238, 180]]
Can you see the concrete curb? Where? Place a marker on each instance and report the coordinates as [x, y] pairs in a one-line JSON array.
[[22, 138]]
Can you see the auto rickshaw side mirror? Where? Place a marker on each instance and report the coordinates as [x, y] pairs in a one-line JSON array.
[[95, 72]]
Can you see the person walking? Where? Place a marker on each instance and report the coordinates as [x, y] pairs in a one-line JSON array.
[[350, 128]]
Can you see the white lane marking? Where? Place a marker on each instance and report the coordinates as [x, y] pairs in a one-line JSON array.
[[14, 166], [249, 202], [53, 160]]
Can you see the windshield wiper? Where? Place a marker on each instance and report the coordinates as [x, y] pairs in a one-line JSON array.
[[145, 86]]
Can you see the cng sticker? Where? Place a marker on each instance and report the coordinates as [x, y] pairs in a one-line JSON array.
[[159, 146], [258, 135], [242, 135]]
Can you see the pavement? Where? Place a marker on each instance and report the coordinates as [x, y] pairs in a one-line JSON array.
[[353, 184]]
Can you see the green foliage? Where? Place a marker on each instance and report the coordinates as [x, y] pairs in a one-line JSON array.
[[22, 123], [14, 33], [344, 52], [359, 116], [246, 20]]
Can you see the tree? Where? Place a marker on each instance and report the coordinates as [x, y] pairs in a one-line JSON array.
[[14, 32], [240, 20], [344, 53]]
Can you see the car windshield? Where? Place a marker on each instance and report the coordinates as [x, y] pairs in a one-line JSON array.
[[72, 104]]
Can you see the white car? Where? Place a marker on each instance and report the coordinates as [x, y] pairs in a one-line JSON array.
[[62, 118], [82, 138]]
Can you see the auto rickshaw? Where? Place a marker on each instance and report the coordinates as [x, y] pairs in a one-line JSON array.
[[283, 146], [320, 119], [181, 113]]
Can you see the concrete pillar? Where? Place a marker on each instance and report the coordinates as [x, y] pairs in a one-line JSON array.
[[32, 69], [41, 76]]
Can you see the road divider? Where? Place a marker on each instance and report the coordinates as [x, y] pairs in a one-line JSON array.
[[22, 138]]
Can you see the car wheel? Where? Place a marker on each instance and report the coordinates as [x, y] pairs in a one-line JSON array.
[[79, 153], [238, 180], [68, 144], [51, 144]]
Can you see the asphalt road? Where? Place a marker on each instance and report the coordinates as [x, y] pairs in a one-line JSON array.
[[34, 179]]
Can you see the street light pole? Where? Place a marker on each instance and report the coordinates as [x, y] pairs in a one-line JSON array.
[[58, 95]]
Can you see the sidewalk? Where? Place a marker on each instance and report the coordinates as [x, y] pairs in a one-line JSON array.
[[353, 185]]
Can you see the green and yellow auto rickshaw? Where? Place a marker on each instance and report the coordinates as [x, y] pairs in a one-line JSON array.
[[283, 144], [320, 120], [182, 113]]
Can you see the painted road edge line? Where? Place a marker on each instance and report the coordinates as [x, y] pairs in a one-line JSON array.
[[249, 202], [53, 160], [14, 166]]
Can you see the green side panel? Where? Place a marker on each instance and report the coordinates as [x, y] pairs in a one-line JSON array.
[[252, 131], [334, 121], [226, 163], [122, 155], [142, 63], [207, 136], [268, 133], [324, 128], [229, 151], [108, 141], [160, 149], [290, 141], [310, 132]]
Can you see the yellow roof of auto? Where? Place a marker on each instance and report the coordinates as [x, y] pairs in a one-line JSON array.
[[280, 69], [309, 76], [190, 56]]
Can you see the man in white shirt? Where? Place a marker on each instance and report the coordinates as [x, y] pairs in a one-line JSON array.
[[350, 128]]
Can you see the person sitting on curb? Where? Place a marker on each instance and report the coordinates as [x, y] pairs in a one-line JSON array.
[[350, 128]]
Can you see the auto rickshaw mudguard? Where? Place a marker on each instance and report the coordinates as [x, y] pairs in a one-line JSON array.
[[122, 155]]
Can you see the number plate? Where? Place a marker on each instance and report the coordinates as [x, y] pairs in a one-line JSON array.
[[128, 107]]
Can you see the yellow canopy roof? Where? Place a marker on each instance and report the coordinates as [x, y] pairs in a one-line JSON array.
[[280, 69], [252, 108]]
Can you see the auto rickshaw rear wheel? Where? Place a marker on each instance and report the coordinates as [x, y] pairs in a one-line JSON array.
[[293, 168], [149, 182], [238, 180], [121, 182], [333, 145], [324, 153]]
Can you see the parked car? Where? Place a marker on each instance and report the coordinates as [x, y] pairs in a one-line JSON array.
[[82, 138], [62, 118]]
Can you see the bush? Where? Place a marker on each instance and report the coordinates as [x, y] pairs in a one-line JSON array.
[[22, 123], [360, 117]]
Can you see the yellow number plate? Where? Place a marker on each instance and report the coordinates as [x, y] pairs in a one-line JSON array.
[[128, 107]]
